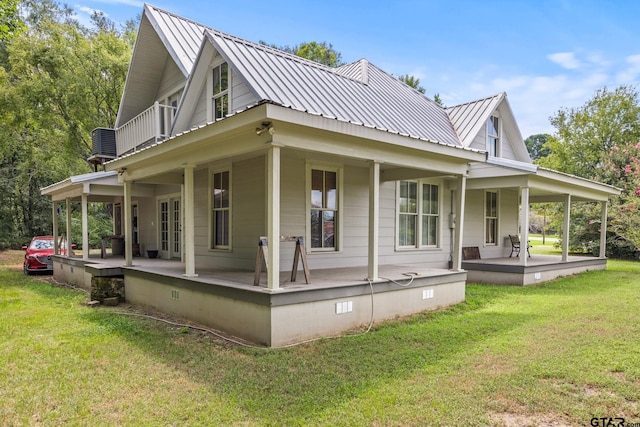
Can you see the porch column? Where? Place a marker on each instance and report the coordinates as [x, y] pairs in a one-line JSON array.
[[128, 228], [524, 225], [189, 227], [56, 246], [566, 224], [273, 216], [374, 219], [85, 228], [459, 220], [69, 234], [603, 229]]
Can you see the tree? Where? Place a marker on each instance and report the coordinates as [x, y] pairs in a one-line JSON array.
[[10, 21], [600, 141], [609, 119], [536, 145], [412, 81], [58, 81], [320, 52]]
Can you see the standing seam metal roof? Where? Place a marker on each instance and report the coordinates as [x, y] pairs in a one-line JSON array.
[[381, 102]]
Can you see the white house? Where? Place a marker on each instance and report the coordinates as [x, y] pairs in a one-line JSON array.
[[288, 200]]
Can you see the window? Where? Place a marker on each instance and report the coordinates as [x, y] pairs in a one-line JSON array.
[[324, 209], [221, 206], [418, 214], [493, 136], [491, 218], [220, 91]]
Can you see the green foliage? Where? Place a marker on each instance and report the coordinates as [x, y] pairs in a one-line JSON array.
[[58, 81], [600, 141], [414, 82], [320, 52], [587, 133], [536, 146], [10, 21]]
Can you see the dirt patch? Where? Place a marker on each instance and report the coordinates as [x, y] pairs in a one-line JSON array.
[[11, 258], [506, 419]]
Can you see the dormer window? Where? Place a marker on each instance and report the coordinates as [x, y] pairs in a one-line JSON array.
[[493, 136], [220, 91]]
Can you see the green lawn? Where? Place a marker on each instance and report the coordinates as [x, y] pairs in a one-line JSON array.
[[555, 354]]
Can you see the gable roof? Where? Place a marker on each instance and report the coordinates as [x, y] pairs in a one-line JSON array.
[[359, 93], [468, 118]]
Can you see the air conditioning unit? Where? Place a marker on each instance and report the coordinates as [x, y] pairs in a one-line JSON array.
[[103, 142]]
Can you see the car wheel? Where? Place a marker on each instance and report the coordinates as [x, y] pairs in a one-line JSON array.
[[24, 269]]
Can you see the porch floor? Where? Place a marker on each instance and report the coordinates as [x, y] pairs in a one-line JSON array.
[[320, 278], [539, 268]]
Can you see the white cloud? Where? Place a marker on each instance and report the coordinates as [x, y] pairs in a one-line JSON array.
[[565, 60], [631, 73]]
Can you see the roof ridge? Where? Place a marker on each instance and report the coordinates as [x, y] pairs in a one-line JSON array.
[[475, 101]]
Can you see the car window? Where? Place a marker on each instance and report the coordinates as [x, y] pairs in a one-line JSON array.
[[42, 244]]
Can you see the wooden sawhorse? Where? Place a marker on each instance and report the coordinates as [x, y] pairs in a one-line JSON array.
[[262, 259]]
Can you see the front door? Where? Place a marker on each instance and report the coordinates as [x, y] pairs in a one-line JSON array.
[[170, 231]]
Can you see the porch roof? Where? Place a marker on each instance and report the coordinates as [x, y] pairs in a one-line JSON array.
[[100, 186], [546, 185]]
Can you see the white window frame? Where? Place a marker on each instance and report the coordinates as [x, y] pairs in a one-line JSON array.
[[168, 114], [212, 246], [338, 229], [487, 218], [498, 138], [211, 111], [420, 214]]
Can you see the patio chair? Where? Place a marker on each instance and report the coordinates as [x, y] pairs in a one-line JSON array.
[[515, 245]]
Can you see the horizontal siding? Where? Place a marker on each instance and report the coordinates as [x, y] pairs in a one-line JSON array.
[[199, 117], [171, 78], [241, 95]]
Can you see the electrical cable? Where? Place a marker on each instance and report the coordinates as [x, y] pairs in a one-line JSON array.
[[226, 338]]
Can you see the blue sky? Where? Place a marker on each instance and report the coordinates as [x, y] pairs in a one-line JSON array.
[[545, 54]]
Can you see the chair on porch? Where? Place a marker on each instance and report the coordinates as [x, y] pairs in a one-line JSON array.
[[515, 245]]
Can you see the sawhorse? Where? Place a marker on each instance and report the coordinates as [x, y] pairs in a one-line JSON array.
[[262, 259]]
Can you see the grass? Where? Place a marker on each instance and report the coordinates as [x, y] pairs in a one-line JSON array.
[[555, 354]]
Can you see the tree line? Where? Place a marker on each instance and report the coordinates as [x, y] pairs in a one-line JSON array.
[[60, 79]]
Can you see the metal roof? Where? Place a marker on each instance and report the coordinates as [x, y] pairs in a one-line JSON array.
[[468, 119], [357, 93], [182, 37]]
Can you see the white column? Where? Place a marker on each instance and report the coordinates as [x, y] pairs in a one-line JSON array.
[[128, 226], [188, 226], [273, 216], [56, 247], [69, 234], [374, 219], [524, 225], [460, 204], [603, 229], [85, 228], [566, 225]]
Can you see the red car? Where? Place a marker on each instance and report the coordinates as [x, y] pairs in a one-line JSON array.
[[38, 254]]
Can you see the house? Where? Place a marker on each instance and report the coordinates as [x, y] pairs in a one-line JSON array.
[[287, 200]]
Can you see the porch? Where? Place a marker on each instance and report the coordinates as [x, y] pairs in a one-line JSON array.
[[539, 268], [336, 300]]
